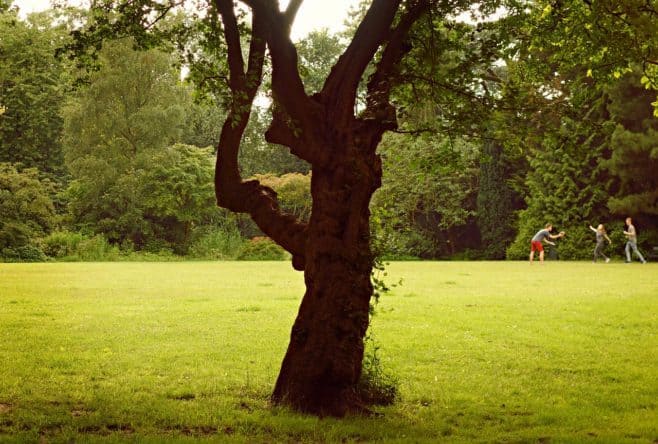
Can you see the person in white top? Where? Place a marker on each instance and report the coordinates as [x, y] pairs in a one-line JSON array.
[[601, 237]]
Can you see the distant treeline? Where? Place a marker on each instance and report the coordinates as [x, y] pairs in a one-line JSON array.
[[117, 163]]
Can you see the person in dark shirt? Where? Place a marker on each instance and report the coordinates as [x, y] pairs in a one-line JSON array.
[[631, 241], [542, 236]]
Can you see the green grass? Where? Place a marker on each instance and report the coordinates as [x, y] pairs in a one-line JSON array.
[[484, 352]]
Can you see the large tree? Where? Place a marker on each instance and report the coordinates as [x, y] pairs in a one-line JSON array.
[[339, 140], [323, 362], [634, 152], [131, 109]]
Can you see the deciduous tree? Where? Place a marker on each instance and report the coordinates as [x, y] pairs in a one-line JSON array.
[[323, 362], [33, 84], [131, 109]]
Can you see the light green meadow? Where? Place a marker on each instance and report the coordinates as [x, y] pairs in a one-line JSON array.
[[183, 352]]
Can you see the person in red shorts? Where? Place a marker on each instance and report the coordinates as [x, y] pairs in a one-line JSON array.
[[542, 236]]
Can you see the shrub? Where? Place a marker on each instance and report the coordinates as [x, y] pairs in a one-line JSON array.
[[14, 234], [96, 248], [402, 243], [216, 243], [26, 211], [24, 253], [158, 246], [293, 191], [578, 243], [293, 194], [262, 249], [59, 244], [78, 247]]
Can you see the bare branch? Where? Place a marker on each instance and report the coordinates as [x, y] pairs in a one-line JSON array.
[[342, 83], [380, 83], [291, 12], [232, 37], [232, 193], [287, 87]]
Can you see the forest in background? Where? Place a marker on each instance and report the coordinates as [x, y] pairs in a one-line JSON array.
[[505, 125]]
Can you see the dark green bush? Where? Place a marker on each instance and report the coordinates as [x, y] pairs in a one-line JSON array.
[[97, 248], [158, 246], [24, 253]]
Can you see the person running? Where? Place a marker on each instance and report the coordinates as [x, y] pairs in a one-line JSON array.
[[631, 242], [542, 236], [601, 237]]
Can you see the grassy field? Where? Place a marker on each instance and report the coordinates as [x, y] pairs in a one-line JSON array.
[[484, 352]]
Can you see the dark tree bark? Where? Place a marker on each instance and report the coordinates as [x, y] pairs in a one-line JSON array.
[[322, 366]]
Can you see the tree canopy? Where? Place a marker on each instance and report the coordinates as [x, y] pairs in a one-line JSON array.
[[33, 86]]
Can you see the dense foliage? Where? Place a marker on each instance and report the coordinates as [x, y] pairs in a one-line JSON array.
[[33, 86], [26, 212], [545, 115]]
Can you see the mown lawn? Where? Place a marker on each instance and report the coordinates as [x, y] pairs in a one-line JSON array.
[[484, 352]]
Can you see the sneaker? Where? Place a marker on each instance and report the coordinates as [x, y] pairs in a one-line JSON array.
[[607, 259]]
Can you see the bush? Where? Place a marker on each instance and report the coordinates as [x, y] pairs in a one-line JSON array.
[[25, 253], [405, 243], [60, 244], [293, 194], [26, 212], [158, 247], [262, 249], [14, 234], [70, 246], [216, 243], [293, 191], [578, 244], [97, 248]]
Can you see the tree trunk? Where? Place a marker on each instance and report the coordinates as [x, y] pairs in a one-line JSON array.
[[322, 366]]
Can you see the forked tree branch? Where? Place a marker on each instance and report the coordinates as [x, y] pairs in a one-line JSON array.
[[382, 80], [295, 119], [232, 193], [341, 85]]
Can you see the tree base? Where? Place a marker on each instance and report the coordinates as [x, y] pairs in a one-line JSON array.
[[353, 406]]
